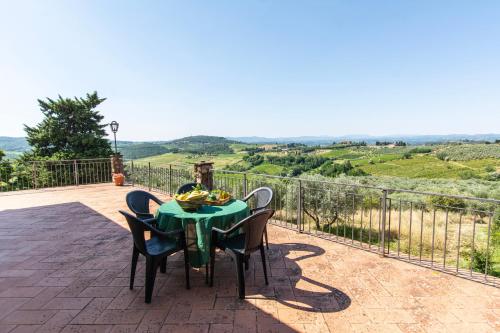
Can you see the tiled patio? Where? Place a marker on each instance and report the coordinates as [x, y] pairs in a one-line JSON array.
[[65, 260]]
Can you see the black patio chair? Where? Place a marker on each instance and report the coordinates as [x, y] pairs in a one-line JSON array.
[[240, 245], [156, 250], [263, 197], [188, 187], [138, 203]]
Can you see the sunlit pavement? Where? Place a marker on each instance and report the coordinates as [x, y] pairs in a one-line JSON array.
[[65, 261]]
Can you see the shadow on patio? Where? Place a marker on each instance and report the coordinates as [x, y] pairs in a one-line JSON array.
[[65, 261], [66, 267]]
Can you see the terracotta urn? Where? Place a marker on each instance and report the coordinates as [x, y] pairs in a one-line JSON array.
[[118, 179]]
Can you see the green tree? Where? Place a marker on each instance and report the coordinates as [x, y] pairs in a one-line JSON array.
[[5, 170], [71, 128]]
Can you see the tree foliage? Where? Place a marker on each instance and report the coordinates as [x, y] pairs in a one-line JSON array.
[[468, 152], [71, 128]]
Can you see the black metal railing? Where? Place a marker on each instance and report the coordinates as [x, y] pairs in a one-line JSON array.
[[161, 179], [451, 233], [27, 175]]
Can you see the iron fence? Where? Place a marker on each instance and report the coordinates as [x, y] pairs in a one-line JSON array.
[[26, 175], [161, 179], [450, 233]]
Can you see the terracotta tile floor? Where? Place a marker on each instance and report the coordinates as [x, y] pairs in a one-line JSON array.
[[64, 266]]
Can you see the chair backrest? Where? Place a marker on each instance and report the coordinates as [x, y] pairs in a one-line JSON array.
[[138, 202], [253, 228], [189, 187], [262, 196], [137, 228]]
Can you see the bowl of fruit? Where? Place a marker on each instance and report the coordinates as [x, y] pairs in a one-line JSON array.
[[217, 198], [191, 200]]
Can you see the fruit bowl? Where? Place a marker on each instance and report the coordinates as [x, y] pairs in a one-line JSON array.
[[217, 202], [192, 200], [217, 198], [189, 205]]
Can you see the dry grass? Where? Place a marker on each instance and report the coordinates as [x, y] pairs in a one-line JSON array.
[[412, 232]]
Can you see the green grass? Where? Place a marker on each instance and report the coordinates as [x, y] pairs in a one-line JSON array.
[[425, 166], [165, 159], [334, 153], [267, 168], [377, 162]]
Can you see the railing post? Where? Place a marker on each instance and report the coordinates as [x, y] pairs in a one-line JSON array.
[[299, 206], [382, 229], [149, 175], [170, 178], [75, 168], [34, 175], [132, 175], [203, 174], [244, 185]]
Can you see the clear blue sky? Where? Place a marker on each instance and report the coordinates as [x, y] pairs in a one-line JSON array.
[[265, 68]]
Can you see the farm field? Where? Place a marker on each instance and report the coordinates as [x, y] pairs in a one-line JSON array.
[[164, 160], [424, 166], [267, 168], [450, 165]]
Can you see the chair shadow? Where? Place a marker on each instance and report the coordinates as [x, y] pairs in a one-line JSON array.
[[312, 300], [78, 244]]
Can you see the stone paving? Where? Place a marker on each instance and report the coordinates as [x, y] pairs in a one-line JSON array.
[[65, 260]]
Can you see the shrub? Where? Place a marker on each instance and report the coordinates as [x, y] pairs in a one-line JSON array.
[[334, 169], [467, 174], [494, 176], [447, 202], [479, 258], [420, 150], [442, 156], [489, 168], [357, 172], [254, 160]]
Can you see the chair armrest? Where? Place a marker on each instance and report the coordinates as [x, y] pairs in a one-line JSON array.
[[230, 230], [255, 210], [150, 220], [156, 232], [158, 201]]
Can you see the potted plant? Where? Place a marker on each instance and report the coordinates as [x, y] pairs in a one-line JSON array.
[[118, 179]]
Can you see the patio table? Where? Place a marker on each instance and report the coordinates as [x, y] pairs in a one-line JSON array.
[[198, 224]]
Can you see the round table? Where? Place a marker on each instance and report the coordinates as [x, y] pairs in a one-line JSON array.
[[198, 224]]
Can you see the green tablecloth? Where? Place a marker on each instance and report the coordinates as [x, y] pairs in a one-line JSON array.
[[198, 225]]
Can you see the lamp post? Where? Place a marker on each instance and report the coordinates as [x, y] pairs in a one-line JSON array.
[[114, 128]]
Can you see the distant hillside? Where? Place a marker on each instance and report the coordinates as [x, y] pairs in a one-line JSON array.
[[14, 144], [203, 139], [195, 145], [411, 139], [141, 150]]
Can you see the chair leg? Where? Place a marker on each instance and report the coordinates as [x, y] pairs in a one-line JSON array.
[[206, 273], [212, 265], [241, 275], [135, 257], [265, 236], [186, 266], [151, 267], [247, 262], [163, 265], [263, 256]]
